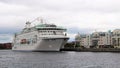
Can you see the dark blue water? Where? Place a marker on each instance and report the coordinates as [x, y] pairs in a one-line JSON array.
[[12, 59]]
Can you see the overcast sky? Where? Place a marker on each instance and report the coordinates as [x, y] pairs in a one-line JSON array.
[[83, 16]]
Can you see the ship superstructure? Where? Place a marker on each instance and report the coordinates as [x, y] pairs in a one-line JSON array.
[[41, 37]]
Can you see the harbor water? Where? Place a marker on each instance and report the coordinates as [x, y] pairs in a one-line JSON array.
[[64, 59]]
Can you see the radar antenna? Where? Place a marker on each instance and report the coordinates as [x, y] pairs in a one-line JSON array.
[[28, 24]]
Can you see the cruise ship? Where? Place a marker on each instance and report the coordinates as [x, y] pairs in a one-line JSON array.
[[40, 37]]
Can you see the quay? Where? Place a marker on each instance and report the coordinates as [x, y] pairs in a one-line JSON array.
[[77, 49], [92, 49]]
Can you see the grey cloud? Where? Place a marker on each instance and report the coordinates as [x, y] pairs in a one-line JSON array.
[[63, 11], [70, 5]]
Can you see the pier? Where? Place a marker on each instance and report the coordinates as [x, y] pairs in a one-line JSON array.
[[92, 49]]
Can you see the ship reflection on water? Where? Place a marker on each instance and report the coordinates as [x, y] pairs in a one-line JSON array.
[[13, 59]]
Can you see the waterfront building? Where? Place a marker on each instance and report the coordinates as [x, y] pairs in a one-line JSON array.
[[5, 45], [84, 40], [100, 39], [77, 38], [116, 38]]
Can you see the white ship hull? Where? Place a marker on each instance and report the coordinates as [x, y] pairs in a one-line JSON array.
[[41, 37], [43, 45]]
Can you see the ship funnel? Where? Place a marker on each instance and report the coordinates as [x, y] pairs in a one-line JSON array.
[[28, 24]]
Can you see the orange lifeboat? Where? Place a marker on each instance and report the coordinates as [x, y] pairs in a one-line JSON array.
[[23, 41]]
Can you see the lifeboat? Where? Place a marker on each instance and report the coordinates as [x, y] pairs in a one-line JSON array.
[[23, 41]]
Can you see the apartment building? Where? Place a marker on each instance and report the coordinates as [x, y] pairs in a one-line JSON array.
[[116, 38], [100, 39], [83, 39]]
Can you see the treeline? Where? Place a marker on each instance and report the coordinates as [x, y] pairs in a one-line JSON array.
[[73, 45]]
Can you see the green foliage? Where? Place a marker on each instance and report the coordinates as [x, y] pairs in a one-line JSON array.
[[70, 45]]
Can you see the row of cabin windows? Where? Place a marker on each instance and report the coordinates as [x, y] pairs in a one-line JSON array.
[[51, 32], [30, 41], [26, 41]]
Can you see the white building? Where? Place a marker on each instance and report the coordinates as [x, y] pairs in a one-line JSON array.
[[84, 40], [98, 39], [116, 38]]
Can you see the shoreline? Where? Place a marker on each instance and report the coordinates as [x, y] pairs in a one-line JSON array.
[[92, 49], [87, 49]]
